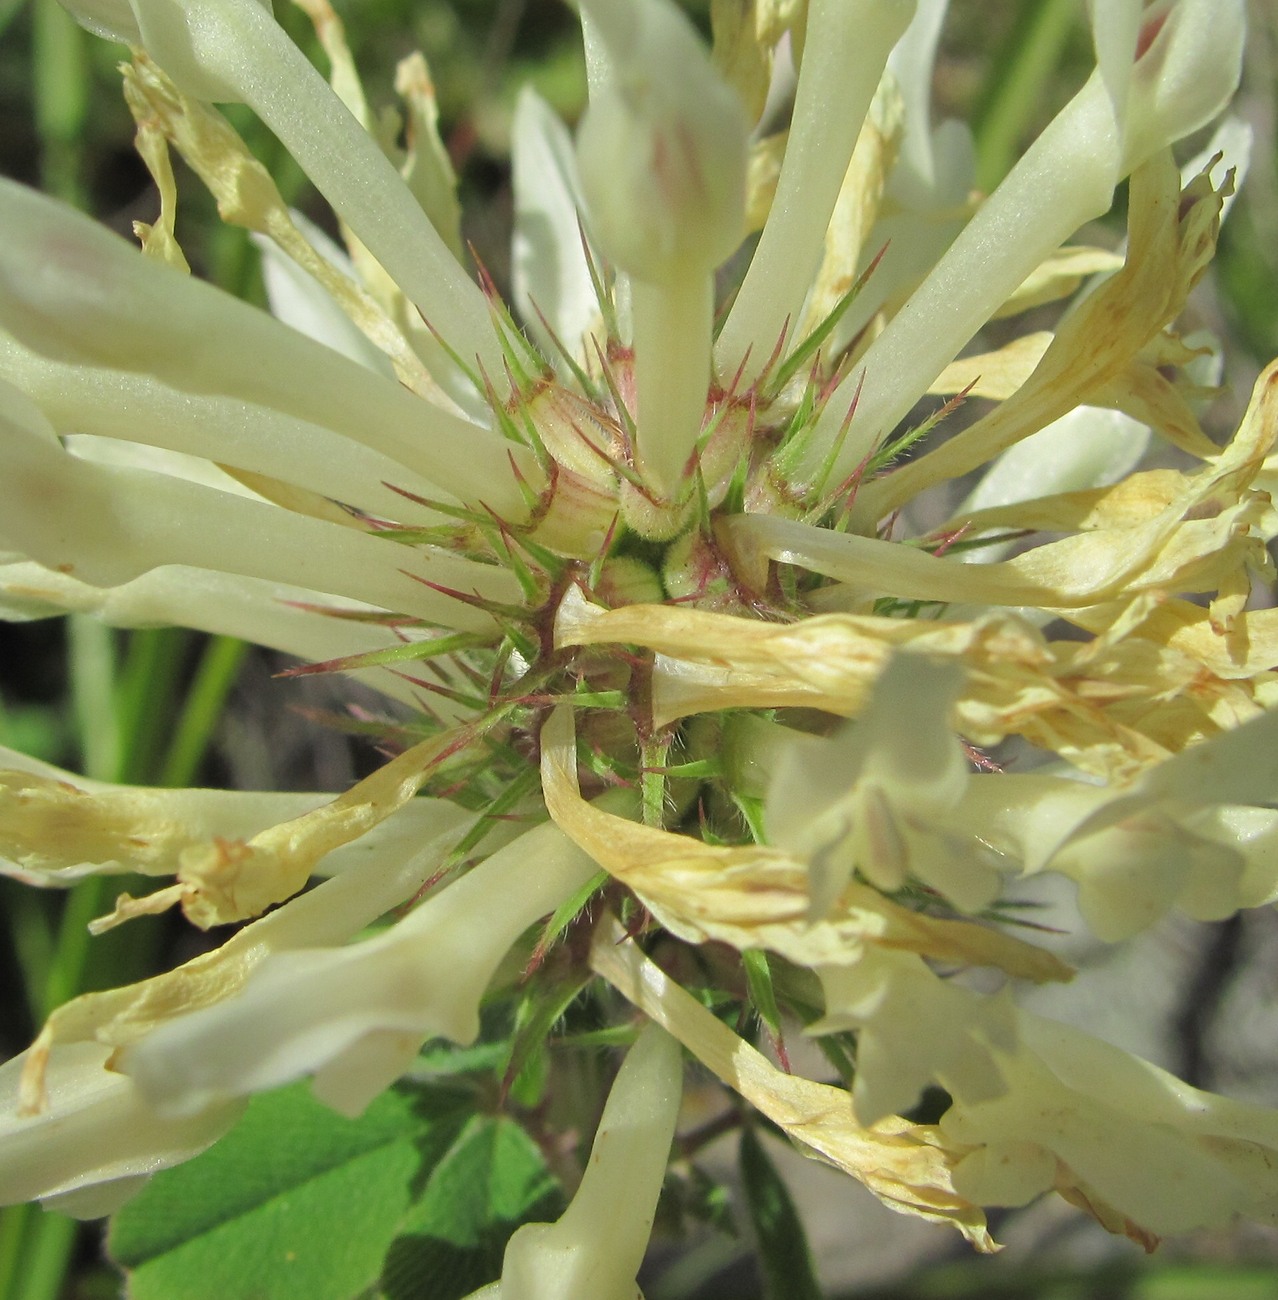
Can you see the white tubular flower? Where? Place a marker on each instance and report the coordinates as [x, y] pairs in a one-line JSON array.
[[1087, 448], [355, 1017], [846, 46], [299, 300], [913, 1029], [57, 829], [552, 286], [877, 796], [73, 1127], [98, 303], [1039, 1105], [662, 156], [661, 148], [1163, 72], [1151, 1155], [115, 523], [270, 614], [594, 1250], [233, 51], [96, 1141], [1169, 840], [927, 195]]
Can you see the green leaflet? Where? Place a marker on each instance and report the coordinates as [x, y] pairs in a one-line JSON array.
[[415, 1197], [452, 1241], [784, 1258]]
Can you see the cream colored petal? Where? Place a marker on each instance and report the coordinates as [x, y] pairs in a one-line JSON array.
[[550, 272], [996, 375], [111, 19], [1083, 570], [1066, 178], [1088, 448], [339, 313], [309, 1010], [661, 159], [1144, 1152], [1235, 767], [682, 688], [757, 896], [226, 880], [109, 524], [1171, 238], [54, 831], [56, 827], [763, 168], [1131, 876], [1060, 275], [845, 51], [96, 1141], [595, 1249], [914, 1028], [1112, 706], [912, 64], [857, 207], [269, 614], [426, 166], [1145, 393], [1192, 833], [330, 914], [903, 1164], [135, 406], [1115, 31], [98, 302], [233, 50], [159, 240], [1232, 142], [875, 795], [661, 148], [1254, 833], [298, 299], [1188, 57], [1244, 652]]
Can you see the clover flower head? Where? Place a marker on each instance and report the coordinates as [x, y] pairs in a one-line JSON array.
[[690, 684]]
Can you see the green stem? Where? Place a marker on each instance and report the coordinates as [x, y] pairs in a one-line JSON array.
[[204, 702], [1014, 90], [145, 696], [13, 1232], [61, 88], [91, 647], [654, 751], [31, 938], [48, 1252]]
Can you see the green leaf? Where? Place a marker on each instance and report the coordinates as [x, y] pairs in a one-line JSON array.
[[758, 975], [441, 1059], [295, 1201], [452, 1241], [541, 1008], [784, 1257]]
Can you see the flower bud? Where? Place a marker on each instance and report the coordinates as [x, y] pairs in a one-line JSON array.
[[662, 146], [594, 1251]]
